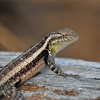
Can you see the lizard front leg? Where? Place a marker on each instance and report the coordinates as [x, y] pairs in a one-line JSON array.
[[12, 93], [57, 70], [51, 64]]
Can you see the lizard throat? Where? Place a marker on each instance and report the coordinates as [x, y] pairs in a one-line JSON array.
[[58, 44]]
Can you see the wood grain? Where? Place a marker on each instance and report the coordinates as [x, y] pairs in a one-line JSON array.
[[46, 85]]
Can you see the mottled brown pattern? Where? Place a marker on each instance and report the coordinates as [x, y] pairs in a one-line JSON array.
[[28, 53], [22, 57], [27, 68], [56, 38], [65, 92], [33, 60]]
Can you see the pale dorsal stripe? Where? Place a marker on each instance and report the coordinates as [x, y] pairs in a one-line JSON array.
[[25, 62]]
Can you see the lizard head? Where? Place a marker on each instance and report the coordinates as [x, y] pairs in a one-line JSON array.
[[61, 39]]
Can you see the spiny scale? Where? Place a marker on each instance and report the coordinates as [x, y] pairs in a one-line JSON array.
[[33, 60]]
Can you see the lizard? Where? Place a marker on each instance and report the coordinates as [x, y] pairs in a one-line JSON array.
[[33, 60]]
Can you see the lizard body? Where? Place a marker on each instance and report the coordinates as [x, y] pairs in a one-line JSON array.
[[32, 61]]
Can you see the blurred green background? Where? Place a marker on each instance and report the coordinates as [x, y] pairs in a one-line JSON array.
[[24, 22]]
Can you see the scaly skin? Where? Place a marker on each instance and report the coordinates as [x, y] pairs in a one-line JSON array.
[[33, 60]]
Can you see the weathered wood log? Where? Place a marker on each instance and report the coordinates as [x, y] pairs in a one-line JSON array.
[[46, 85]]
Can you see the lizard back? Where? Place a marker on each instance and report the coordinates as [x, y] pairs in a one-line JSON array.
[[24, 66]]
